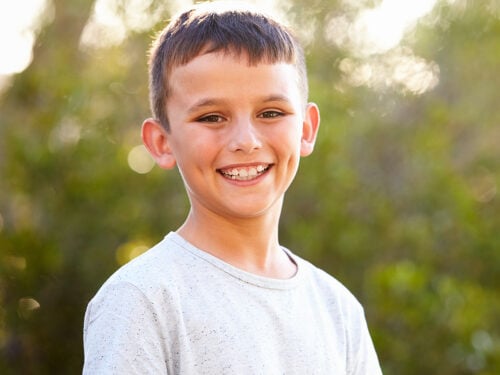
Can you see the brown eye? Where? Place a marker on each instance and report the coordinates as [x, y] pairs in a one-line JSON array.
[[271, 114], [210, 118]]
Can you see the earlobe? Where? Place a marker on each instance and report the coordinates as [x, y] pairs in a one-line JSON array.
[[310, 128], [156, 139]]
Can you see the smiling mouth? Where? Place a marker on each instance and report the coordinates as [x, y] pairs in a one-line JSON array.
[[244, 173]]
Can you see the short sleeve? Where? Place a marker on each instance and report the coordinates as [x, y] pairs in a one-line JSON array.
[[122, 334], [362, 356]]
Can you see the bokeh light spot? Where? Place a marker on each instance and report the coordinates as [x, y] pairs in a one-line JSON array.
[[20, 22], [67, 133], [26, 306], [139, 160], [483, 186], [400, 69], [128, 251], [15, 262]]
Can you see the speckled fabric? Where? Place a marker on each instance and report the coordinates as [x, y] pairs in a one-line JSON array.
[[179, 310]]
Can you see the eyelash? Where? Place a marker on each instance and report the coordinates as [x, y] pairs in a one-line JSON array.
[[210, 118], [213, 118], [271, 114]]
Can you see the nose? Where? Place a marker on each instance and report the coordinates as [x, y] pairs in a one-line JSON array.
[[245, 136]]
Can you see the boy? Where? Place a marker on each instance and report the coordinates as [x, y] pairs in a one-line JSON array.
[[220, 295]]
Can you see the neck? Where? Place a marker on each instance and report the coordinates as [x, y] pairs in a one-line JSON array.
[[250, 244]]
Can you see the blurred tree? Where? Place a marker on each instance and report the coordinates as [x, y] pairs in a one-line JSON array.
[[72, 209], [399, 201]]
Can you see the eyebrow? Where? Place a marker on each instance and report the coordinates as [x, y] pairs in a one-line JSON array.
[[277, 98], [207, 102]]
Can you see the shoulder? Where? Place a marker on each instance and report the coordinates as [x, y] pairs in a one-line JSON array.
[[330, 290], [125, 319], [140, 293], [150, 275], [347, 315]]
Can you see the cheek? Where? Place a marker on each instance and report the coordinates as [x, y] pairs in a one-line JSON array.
[[289, 140], [288, 148], [196, 147]]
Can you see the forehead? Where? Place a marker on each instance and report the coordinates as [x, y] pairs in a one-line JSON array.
[[221, 70]]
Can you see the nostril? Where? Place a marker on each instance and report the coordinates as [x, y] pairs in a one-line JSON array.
[[245, 138]]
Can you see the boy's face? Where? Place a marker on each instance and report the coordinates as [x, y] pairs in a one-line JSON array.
[[236, 133]]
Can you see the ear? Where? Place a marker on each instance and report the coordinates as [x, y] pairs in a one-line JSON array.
[[310, 128], [156, 139]]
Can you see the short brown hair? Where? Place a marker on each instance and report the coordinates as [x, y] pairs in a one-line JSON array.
[[209, 29]]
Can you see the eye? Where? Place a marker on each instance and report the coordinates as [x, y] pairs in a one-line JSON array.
[[271, 114], [211, 118]]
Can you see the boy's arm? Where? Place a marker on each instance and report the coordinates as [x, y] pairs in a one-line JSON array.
[[363, 358], [122, 333]]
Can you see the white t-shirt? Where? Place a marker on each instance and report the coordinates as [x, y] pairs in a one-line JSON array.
[[179, 310]]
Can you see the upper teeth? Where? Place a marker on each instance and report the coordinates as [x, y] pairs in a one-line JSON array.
[[244, 173]]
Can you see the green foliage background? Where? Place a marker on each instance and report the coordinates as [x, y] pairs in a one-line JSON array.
[[399, 201]]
